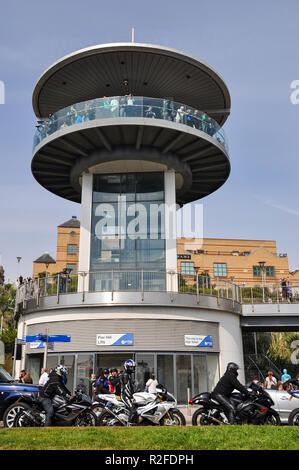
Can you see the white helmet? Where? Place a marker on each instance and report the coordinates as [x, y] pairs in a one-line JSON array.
[[61, 370]]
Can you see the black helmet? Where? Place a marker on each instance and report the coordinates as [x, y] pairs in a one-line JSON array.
[[106, 371], [232, 366]]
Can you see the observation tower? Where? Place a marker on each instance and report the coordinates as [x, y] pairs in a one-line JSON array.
[[123, 126]]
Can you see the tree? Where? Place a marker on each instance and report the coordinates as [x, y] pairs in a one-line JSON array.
[[280, 350], [1, 275]]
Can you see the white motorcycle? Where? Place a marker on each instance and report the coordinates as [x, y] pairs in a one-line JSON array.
[[153, 409]]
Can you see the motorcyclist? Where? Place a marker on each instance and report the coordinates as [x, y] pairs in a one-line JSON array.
[[226, 385], [128, 389], [54, 386]]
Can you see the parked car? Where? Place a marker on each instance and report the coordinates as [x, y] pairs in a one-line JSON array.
[[285, 403], [10, 391]]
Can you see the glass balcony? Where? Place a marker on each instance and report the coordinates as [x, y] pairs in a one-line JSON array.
[[130, 106]]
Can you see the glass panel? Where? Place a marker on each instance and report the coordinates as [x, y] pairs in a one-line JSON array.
[[145, 367], [52, 361], [213, 371], [69, 362], [165, 371], [127, 235], [183, 376], [129, 106], [112, 360], [200, 374], [84, 371], [34, 363]]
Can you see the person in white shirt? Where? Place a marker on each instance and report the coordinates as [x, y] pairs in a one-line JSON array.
[[270, 381], [43, 378], [151, 384]]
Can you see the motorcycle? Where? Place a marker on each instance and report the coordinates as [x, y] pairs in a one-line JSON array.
[[254, 410], [75, 411], [152, 409]]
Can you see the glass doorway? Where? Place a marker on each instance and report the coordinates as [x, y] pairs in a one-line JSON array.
[[145, 368]]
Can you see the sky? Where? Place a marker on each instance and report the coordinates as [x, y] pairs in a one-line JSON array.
[[252, 45]]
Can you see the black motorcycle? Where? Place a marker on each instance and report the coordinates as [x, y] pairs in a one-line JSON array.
[[75, 411], [255, 409]]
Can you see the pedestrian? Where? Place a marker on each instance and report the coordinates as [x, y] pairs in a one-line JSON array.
[[92, 386], [102, 385], [283, 283], [44, 377], [114, 381], [285, 376], [270, 381], [151, 384], [26, 378]]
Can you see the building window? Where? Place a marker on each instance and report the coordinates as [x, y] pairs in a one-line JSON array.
[[187, 268], [73, 268], [72, 234], [72, 249], [269, 271], [220, 270]]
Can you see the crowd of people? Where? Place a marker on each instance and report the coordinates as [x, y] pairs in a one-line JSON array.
[[109, 381], [271, 382], [127, 106]]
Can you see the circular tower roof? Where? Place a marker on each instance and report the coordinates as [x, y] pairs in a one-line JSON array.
[[140, 69]]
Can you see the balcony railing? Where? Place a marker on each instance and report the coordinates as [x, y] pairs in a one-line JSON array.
[[124, 281], [129, 106], [149, 281]]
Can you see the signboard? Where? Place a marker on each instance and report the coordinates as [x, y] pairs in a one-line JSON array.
[[37, 344], [199, 341], [122, 339], [51, 338]]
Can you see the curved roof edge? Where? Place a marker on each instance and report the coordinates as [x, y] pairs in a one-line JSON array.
[[110, 47]]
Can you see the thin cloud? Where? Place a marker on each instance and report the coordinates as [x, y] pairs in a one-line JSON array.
[[280, 207]]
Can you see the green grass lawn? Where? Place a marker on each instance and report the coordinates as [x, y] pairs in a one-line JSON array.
[[152, 438]]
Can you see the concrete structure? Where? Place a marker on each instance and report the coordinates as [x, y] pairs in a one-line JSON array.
[[127, 129]]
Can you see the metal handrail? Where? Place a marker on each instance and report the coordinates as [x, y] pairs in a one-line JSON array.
[[130, 106], [123, 281]]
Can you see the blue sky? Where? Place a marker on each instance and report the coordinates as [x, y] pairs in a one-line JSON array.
[[252, 45]]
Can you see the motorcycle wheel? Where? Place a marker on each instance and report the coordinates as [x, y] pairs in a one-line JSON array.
[[87, 418], [97, 410], [107, 420], [272, 418], [294, 418], [201, 418], [23, 421], [176, 418]]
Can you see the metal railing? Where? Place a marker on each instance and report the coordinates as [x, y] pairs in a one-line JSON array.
[[124, 281], [129, 106], [152, 281], [269, 294]]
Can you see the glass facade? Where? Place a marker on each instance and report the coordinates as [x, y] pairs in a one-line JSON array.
[[127, 238], [183, 374]]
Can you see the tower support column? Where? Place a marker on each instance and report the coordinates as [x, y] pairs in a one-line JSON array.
[[170, 231], [85, 231]]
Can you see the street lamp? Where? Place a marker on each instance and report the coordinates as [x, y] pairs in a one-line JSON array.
[[262, 268], [19, 259]]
